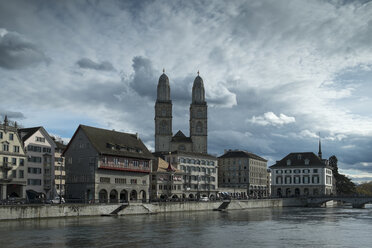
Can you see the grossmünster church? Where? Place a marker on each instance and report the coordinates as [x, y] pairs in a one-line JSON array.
[[165, 141]]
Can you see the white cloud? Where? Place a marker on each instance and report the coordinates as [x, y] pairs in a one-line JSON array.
[[269, 118]]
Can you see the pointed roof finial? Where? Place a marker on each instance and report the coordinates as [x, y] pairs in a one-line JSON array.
[[15, 124], [198, 72], [320, 148], [163, 70], [6, 120]]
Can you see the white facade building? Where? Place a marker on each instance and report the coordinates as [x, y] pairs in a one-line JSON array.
[[40, 149], [301, 174]]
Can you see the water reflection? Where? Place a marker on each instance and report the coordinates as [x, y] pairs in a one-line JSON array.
[[280, 227]]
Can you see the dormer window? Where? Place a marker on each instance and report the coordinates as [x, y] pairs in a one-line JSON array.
[[307, 161], [288, 162], [299, 156]]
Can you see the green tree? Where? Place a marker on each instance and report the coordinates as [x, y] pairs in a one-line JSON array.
[[364, 189], [344, 185]]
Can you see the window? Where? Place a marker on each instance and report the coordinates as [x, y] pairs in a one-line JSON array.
[[47, 150], [278, 180], [11, 136], [116, 161], [40, 139], [120, 180], [307, 161], [1, 135], [315, 179], [104, 180], [297, 180], [306, 171], [34, 159], [288, 180], [144, 182], [199, 127], [315, 171], [5, 147], [14, 173], [33, 170], [133, 181], [297, 171], [135, 163], [288, 171], [305, 180], [21, 174], [288, 162], [16, 149], [33, 181], [34, 148], [21, 162], [14, 161]]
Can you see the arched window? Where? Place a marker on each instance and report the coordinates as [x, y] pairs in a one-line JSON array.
[[163, 126], [199, 127]]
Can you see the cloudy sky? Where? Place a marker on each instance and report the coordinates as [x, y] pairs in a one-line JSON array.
[[276, 73]]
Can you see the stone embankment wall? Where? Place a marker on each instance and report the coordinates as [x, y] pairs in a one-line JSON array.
[[70, 210]]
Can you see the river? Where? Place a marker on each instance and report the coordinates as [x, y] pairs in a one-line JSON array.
[[269, 227]]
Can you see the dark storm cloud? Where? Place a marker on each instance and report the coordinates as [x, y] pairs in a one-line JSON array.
[[86, 63], [17, 53], [145, 79]]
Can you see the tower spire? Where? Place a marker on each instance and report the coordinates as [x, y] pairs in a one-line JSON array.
[[320, 148]]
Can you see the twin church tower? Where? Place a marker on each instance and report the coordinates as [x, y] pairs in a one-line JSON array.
[[164, 139]]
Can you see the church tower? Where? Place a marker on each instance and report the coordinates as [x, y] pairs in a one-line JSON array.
[[198, 117], [163, 116]]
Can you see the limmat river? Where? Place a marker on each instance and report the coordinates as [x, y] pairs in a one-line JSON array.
[[267, 227]]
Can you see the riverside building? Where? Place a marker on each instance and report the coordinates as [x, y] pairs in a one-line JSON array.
[[39, 147], [301, 174], [12, 162], [243, 173], [59, 167], [166, 181], [107, 166]]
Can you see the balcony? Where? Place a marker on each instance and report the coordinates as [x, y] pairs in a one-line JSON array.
[[7, 166], [124, 167]]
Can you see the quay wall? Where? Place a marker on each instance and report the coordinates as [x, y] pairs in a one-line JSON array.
[[13, 212]]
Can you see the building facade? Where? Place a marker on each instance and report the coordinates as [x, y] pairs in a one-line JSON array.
[[301, 174], [59, 168], [198, 124], [13, 171], [166, 181], [104, 165], [39, 148], [244, 172]]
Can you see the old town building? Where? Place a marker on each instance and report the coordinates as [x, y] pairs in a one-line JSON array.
[[301, 174], [106, 165], [39, 148], [166, 181], [12, 162], [244, 172], [59, 167]]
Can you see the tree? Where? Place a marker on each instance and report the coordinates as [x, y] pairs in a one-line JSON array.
[[364, 189], [344, 185]]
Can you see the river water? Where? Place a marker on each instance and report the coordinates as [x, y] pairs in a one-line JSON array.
[[268, 227]]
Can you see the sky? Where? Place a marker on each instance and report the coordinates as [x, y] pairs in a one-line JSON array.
[[276, 73]]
